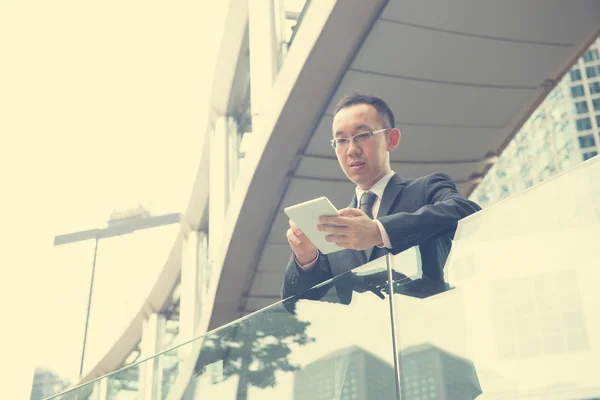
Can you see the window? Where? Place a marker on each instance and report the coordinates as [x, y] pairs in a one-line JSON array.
[[583, 124], [587, 141], [596, 103], [581, 107], [592, 71], [598, 120], [575, 75], [591, 55], [577, 91], [595, 87], [588, 155]]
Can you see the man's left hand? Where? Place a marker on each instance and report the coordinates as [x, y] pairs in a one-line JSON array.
[[353, 230]]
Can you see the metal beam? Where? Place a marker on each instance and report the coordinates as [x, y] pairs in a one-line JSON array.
[[118, 229]]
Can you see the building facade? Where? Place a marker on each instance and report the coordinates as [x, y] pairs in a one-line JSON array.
[[348, 374], [562, 132], [584, 89]]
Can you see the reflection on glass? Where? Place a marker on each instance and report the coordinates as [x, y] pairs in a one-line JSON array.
[[254, 350], [349, 373], [525, 280], [279, 352], [46, 383], [276, 353]]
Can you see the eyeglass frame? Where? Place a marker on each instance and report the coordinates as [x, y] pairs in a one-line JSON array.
[[333, 142]]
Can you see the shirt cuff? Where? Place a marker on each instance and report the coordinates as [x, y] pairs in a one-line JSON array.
[[307, 267], [384, 236]]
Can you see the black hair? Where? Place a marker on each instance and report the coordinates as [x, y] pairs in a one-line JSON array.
[[384, 112]]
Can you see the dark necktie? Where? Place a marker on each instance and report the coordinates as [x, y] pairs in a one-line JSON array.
[[367, 200]]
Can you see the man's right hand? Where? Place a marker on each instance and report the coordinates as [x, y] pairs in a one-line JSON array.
[[304, 250]]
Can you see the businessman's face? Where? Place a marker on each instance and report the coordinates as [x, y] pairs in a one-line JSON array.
[[367, 160]]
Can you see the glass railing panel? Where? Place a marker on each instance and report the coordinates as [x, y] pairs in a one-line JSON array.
[[517, 314], [317, 345], [333, 341]]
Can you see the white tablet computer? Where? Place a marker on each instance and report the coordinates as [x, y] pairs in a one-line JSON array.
[[306, 217]]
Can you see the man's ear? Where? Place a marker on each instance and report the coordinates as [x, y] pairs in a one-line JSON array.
[[393, 139]]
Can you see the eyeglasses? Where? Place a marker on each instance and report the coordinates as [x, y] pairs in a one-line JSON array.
[[362, 137]]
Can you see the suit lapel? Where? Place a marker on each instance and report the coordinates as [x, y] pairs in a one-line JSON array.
[[390, 194]]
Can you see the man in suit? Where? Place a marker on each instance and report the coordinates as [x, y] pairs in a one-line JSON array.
[[388, 213]]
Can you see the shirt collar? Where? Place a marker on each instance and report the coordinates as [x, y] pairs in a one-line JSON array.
[[378, 188]]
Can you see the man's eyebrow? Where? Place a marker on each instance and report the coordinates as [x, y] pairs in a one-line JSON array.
[[361, 128]]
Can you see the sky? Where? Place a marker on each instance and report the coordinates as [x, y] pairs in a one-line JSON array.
[[102, 106]]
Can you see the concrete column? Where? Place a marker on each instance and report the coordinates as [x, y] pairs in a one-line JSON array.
[[264, 56], [191, 287], [205, 268], [219, 186], [100, 389], [233, 143], [153, 331], [280, 31]]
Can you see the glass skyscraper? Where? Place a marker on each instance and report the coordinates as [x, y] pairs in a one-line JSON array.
[[561, 133]]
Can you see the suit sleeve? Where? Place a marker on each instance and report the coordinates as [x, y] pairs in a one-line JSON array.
[[444, 207], [298, 281]]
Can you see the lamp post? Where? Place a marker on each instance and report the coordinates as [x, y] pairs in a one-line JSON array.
[[119, 227]]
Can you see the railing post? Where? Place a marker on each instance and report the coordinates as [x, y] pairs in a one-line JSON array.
[[395, 349]]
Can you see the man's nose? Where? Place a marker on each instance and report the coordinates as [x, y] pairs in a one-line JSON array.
[[353, 148]]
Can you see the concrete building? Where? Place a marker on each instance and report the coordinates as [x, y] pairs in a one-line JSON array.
[[429, 372], [347, 374]]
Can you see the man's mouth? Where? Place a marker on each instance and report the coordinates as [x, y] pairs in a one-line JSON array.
[[356, 164]]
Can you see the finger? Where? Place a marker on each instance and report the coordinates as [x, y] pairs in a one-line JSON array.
[[337, 238], [351, 212], [292, 238], [339, 241], [343, 241], [295, 228], [340, 221], [332, 228]]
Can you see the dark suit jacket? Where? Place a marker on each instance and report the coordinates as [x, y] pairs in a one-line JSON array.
[[421, 212]]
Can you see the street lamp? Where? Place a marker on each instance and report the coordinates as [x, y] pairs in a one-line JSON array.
[[115, 228]]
